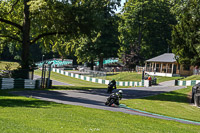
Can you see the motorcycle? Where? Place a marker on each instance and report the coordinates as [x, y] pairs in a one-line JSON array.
[[111, 87], [112, 99]]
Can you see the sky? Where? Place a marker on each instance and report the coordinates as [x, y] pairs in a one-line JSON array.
[[122, 1], [122, 4]]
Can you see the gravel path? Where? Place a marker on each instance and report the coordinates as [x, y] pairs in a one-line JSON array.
[[96, 98]]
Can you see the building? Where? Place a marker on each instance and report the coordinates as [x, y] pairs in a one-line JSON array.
[[166, 65]]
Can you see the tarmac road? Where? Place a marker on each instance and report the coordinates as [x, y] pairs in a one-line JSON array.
[[96, 98], [54, 82]]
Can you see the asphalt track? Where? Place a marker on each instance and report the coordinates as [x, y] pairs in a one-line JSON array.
[[96, 98], [54, 82]]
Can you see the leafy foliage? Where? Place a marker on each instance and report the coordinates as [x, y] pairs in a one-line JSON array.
[[131, 58], [102, 42], [145, 25], [48, 22], [186, 33]]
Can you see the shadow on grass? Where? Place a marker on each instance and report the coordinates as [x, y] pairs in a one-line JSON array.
[[170, 96], [9, 100], [111, 74], [23, 103]]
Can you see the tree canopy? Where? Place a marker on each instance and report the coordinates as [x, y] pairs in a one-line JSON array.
[[90, 29], [101, 43], [145, 26], [26, 22], [186, 33]]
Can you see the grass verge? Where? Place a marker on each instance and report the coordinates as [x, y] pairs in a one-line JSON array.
[[174, 104], [78, 83], [163, 79], [13, 65], [20, 114], [134, 76], [193, 77]]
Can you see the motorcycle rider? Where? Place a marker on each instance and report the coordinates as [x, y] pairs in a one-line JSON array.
[[111, 86], [114, 98]]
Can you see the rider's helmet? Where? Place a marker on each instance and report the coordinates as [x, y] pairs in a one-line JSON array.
[[113, 79], [120, 91]]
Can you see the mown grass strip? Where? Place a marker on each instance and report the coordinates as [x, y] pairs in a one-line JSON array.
[[193, 77], [173, 104], [20, 114], [134, 76], [13, 65], [74, 81], [78, 83]]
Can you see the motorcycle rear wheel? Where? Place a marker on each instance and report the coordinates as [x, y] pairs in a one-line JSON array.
[[111, 102]]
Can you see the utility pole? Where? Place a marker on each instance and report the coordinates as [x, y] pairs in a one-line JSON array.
[[168, 49]]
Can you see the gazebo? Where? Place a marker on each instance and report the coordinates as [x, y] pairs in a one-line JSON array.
[[166, 65]]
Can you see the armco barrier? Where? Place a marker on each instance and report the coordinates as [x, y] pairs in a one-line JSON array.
[[186, 83], [10, 83], [100, 81]]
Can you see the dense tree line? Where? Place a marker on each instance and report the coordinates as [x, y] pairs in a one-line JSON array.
[[90, 30], [51, 23], [144, 29], [186, 33]]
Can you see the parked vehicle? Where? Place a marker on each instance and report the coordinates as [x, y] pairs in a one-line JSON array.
[[195, 89]]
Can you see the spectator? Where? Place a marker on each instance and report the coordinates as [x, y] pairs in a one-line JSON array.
[[149, 78]]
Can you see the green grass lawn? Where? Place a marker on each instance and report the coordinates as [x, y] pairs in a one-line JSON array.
[[134, 76], [163, 79], [124, 76], [193, 77], [14, 65], [174, 104], [78, 83], [20, 114]]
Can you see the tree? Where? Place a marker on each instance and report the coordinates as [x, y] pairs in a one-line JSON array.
[[131, 58], [7, 54], [145, 25], [26, 22], [107, 44], [186, 33], [101, 43]]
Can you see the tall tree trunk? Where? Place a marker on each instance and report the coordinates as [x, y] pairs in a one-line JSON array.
[[92, 64], [26, 38], [100, 62]]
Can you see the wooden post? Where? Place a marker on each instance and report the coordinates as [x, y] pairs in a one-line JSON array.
[[172, 68], [166, 67], [145, 68], [152, 67], [161, 67]]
